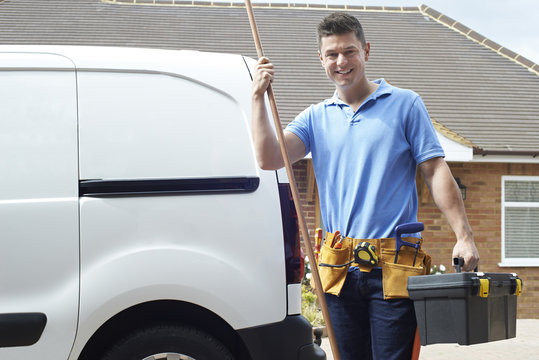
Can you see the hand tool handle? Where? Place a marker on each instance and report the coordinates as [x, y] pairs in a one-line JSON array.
[[407, 228], [317, 242], [295, 194], [459, 262]]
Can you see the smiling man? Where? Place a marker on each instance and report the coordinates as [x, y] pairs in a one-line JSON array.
[[367, 142]]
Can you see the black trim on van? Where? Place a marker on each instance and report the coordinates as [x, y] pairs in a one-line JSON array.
[[168, 186], [290, 339], [21, 329]]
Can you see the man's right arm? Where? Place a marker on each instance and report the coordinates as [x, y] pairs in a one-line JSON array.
[[267, 148]]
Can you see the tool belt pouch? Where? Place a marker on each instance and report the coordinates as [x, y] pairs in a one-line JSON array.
[[332, 278], [395, 276]]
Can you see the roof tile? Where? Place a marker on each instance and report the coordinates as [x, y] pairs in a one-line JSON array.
[[392, 8], [493, 45], [377, 8], [508, 53], [320, 6], [435, 14], [476, 36], [447, 20], [462, 28], [355, 7]]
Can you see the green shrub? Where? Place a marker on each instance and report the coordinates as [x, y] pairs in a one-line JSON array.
[[309, 307]]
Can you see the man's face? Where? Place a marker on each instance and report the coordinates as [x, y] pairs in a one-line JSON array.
[[343, 57]]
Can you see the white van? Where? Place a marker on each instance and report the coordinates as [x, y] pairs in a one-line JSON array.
[[134, 221]]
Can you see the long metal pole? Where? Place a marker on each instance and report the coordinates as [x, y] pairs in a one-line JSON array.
[[295, 194]]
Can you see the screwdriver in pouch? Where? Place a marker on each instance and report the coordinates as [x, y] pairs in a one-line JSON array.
[[335, 239], [317, 242], [338, 242]]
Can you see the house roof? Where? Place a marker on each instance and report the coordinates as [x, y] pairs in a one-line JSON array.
[[480, 92]]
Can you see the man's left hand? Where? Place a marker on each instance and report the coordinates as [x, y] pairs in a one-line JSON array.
[[466, 249]]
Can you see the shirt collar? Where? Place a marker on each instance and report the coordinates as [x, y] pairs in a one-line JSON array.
[[383, 89]]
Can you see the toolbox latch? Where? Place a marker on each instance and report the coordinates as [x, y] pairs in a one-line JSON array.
[[516, 285], [480, 286], [484, 287]]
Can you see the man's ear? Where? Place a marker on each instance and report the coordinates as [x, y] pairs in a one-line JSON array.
[[321, 58], [367, 50]]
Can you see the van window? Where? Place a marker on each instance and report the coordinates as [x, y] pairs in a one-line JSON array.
[[143, 125], [38, 134]]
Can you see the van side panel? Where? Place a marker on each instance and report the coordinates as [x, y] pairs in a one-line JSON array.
[[39, 252], [221, 250]]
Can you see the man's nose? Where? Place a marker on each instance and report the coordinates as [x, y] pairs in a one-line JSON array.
[[341, 59]]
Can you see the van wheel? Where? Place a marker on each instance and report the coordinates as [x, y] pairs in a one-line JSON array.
[[168, 342]]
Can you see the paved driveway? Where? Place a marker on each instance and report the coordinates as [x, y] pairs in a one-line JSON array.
[[524, 346]]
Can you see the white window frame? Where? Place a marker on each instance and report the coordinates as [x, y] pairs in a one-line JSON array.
[[516, 261]]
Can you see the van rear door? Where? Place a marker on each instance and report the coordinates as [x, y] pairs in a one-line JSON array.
[[39, 246]]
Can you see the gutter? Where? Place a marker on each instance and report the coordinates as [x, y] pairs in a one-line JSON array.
[[532, 153]]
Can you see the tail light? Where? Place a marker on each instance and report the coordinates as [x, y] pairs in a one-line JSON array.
[[293, 255]]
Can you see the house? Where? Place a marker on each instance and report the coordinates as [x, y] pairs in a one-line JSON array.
[[482, 97]]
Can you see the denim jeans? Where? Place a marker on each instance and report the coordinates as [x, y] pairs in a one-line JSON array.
[[368, 327]]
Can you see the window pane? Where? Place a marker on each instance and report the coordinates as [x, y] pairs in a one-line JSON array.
[[522, 191], [522, 232]]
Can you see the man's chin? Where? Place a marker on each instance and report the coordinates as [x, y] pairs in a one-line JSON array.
[[343, 84]]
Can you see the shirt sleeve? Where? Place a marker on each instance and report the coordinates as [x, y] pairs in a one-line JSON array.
[[421, 134], [301, 127]]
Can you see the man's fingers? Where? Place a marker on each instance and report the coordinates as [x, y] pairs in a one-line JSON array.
[[470, 264], [264, 70], [264, 63], [263, 75], [263, 60], [469, 253]]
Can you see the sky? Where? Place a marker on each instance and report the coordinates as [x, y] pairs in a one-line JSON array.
[[513, 24]]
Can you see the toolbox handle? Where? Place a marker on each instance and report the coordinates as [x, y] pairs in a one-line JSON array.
[[458, 262]]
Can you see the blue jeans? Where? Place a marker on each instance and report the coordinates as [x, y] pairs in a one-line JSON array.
[[368, 327]]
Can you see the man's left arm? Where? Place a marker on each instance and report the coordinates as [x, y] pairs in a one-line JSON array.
[[447, 197]]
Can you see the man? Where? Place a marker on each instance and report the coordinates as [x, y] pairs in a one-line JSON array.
[[366, 143]]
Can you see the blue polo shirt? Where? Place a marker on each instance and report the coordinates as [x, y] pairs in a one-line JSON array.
[[365, 161]]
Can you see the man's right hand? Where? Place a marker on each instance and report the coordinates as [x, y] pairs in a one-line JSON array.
[[267, 147], [263, 77]]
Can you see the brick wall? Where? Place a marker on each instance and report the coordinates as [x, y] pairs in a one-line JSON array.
[[483, 207], [308, 202]]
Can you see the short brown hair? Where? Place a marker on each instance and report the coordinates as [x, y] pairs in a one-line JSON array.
[[340, 23]]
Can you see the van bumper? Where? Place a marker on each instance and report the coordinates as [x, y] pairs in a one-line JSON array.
[[290, 339]]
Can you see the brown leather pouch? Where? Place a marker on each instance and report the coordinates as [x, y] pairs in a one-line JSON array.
[[332, 278], [395, 275]]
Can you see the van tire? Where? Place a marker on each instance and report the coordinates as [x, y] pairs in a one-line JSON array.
[[178, 341]]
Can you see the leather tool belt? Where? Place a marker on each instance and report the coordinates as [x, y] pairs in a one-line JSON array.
[[394, 275]]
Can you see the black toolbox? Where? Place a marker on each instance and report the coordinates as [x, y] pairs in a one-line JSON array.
[[465, 308]]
